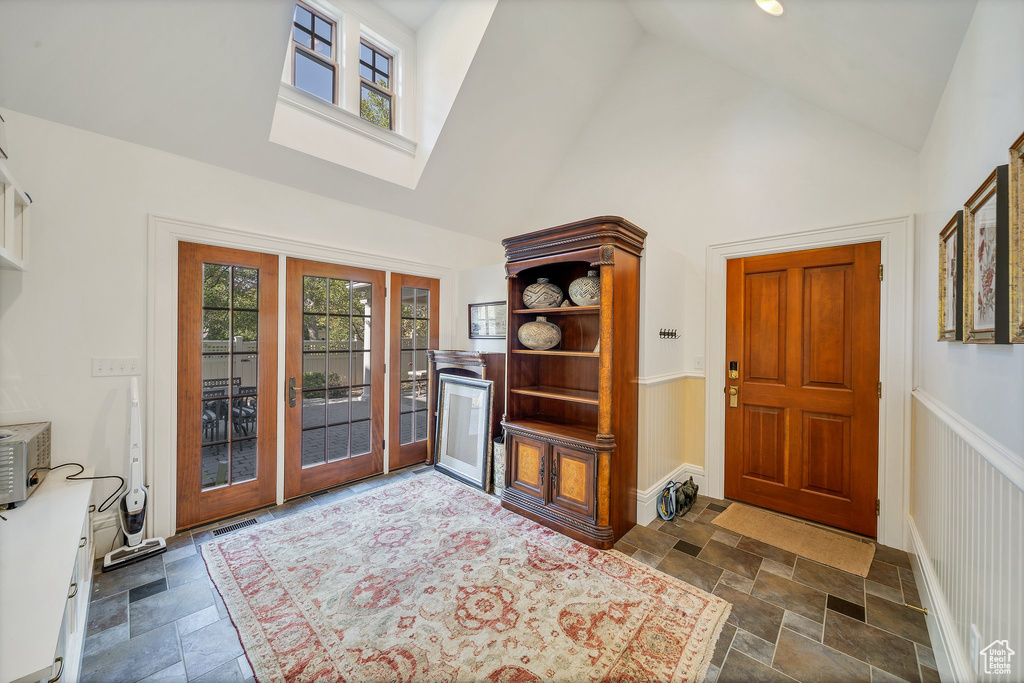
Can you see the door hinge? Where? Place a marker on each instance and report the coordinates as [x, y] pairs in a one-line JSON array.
[[383, 444], [385, 368], [879, 390], [878, 507], [881, 271]]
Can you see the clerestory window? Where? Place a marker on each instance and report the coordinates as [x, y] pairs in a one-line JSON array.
[[375, 84], [314, 63]]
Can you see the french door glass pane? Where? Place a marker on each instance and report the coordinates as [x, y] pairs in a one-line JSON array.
[[413, 371], [230, 374], [335, 369]]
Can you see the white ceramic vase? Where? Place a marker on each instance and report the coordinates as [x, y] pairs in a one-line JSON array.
[[540, 335], [542, 294], [586, 291]]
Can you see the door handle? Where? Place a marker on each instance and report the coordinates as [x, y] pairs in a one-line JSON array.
[[733, 399], [291, 392]]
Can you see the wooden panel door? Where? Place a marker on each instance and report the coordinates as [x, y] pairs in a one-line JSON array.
[[414, 325], [573, 482], [227, 381], [334, 369], [526, 464], [802, 340]]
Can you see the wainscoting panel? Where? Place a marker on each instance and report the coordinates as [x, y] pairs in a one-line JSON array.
[[967, 526]]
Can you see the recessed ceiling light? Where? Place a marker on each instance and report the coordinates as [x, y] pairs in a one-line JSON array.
[[772, 7]]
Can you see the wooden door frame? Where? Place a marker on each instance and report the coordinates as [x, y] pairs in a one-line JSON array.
[[896, 339], [161, 387]]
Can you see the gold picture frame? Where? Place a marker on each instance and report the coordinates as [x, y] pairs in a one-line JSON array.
[[951, 279], [986, 289], [1016, 193]]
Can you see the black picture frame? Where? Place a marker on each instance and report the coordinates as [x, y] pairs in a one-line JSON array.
[[454, 453], [490, 318]]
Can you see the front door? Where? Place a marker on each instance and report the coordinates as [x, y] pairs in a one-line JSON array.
[[802, 383], [227, 381], [334, 370]]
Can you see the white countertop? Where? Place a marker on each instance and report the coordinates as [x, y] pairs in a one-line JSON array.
[[38, 547]]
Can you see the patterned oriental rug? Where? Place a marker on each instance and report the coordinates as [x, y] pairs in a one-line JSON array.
[[429, 579]]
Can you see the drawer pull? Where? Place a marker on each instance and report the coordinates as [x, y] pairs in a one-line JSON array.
[[60, 671], [82, 542], [73, 593]]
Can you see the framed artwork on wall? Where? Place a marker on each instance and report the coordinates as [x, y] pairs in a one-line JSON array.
[[1016, 261], [951, 280], [464, 429], [488, 320], [986, 252]]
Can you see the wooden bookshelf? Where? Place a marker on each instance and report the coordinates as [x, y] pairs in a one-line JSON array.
[[571, 412]]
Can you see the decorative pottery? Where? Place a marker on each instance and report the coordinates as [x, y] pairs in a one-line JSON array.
[[542, 294], [499, 465], [540, 335], [586, 291]]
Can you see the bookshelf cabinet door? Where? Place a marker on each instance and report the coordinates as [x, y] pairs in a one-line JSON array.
[[527, 466], [573, 482]]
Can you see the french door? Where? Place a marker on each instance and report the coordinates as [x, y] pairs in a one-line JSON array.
[[227, 378], [334, 369], [414, 323]]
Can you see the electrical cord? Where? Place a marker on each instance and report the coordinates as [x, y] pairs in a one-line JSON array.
[[105, 505]]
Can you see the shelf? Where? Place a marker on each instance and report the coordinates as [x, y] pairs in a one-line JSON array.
[[555, 352], [566, 310], [544, 424], [559, 394]]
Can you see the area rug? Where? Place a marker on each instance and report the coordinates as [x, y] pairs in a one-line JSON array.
[[821, 545], [429, 579]]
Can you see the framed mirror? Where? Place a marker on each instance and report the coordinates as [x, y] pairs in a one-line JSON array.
[[464, 429]]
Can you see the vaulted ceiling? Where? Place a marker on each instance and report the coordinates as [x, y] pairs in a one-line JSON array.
[[200, 79]]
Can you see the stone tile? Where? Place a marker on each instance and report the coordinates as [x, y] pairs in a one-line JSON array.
[[688, 548], [891, 594], [697, 534], [718, 507], [878, 648], [130, 576], [209, 647], [777, 568], [790, 595], [884, 573], [169, 606], [880, 676], [185, 570], [106, 638], [723, 644], [172, 674], [712, 674], [650, 559], [651, 540], [218, 600], [725, 556], [707, 516], [726, 537], [752, 614], [845, 607], [926, 657], [802, 625], [691, 517], [903, 621], [752, 646], [177, 541], [180, 553], [806, 660], [144, 591], [336, 495], [133, 659], [768, 552], [884, 553], [107, 613], [625, 548], [244, 667], [910, 594], [655, 523], [691, 570], [197, 620], [829, 580], [739, 668], [225, 673], [930, 675], [740, 583], [293, 507]]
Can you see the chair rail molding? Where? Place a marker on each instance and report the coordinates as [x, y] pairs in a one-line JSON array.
[[895, 347], [164, 233]]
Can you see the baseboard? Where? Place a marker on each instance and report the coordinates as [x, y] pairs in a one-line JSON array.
[[105, 525], [647, 501], [949, 655]]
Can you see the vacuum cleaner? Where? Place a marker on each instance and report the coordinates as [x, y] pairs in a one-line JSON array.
[[134, 500]]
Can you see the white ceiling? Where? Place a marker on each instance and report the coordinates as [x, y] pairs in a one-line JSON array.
[[882, 64], [412, 13]]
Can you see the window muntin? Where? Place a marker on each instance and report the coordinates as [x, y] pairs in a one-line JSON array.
[[376, 92], [313, 42], [413, 371]]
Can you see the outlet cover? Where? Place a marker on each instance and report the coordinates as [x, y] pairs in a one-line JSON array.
[[116, 367], [698, 362]]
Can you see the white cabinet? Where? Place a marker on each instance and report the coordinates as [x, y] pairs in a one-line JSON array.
[[14, 226], [46, 551]]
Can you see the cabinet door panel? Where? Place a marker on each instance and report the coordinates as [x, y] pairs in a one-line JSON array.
[[572, 481], [527, 466]]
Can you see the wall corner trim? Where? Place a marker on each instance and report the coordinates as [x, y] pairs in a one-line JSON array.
[[669, 377], [647, 501]]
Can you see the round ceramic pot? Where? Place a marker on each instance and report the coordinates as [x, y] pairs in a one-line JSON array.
[[540, 335], [542, 294], [586, 291]]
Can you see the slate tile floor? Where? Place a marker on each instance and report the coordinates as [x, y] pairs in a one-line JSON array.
[[792, 619]]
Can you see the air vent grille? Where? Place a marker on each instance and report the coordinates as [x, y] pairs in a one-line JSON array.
[[220, 531]]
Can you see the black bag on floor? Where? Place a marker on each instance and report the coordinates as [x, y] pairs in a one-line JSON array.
[[677, 498]]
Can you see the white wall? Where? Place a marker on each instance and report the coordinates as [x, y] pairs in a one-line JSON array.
[[709, 155], [85, 293], [479, 285], [979, 117]]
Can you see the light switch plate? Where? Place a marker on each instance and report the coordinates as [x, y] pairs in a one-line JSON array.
[[698, 362], [116, 367]]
